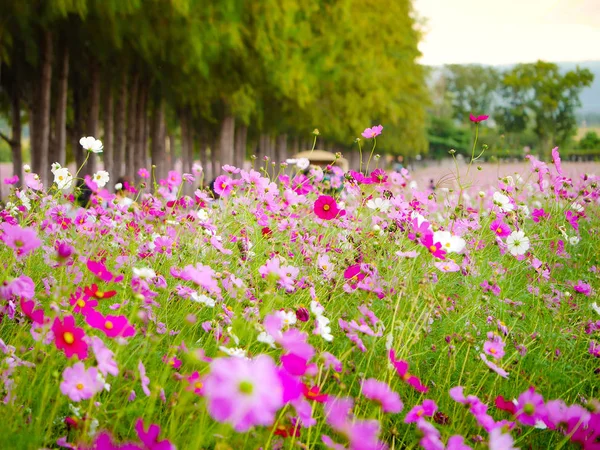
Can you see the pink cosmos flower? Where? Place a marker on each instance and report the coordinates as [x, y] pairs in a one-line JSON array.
[[427, 409], [243, 392], [477, 119], [173, 179], [22, 286], [80, 384], [499, 370], [326, 208], [379, 176], [104, 357], [172, 361], [195, 383], [383, 394], [501, 441], [69, 338], [494, 348], [556, 160], [435, 248], [81, 302], [143, 173], [530, 407], [150, 438], [500, 228], [22, 240], [402, 370], [111, 326], [99, 269], [447, 266], [12, 180], [538, 214], [594, 349], [28, 308], [144, 380], [372, 132], [223, 185]]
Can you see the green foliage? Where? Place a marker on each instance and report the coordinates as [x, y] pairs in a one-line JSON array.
[[473, 88], [591, 141]]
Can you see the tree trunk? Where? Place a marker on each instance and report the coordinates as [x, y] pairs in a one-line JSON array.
[[93, 116], [131, 129], [241, 137], [158, 140], [140, 149], [15, 133], [281, 148], [170, 149], [120, 136], [186, 142], [109, 150], [226, 141], [295, 145], [78, 123], [204, 160], [58, 148], [41, 111]]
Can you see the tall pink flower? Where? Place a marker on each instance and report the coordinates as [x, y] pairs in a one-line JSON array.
[[80, 384], [69, 338], [427, 409], [223, 185], [243, 392], [22, 240], [150, 438], [104, 357], [402, 370], [477, 119], [500, 228], [370, 133]]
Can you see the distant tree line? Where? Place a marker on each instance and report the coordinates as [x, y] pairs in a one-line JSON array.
[[208, 80], [530, 105]]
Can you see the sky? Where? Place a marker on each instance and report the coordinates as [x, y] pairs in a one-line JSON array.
[[509, 31]]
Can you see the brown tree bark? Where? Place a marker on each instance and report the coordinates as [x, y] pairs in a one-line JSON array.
[[186, 140], [226, 141], [15, 134], [157, 151], [241, 138], [140, 148], [108, 141], [295, 145], [120, 129], [281, 148], [131, 129], [58, 145], [92, 128], [41, 110]]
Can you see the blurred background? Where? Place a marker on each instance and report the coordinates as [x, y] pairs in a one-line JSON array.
[[172, 82]]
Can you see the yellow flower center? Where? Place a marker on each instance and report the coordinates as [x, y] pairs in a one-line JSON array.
[[99, 294], [493, 351], [498, 230], [326, 208], [246, 387], [79, 386], [80, 303], [108, 325], [198, 385], [68, 337], [432, 248], [420, 412]]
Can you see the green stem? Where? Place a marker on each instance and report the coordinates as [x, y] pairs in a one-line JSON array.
[[371, 155]]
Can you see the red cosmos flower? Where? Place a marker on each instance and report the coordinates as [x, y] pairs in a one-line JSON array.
[[314, 393], [112, 326], [402, 370], [69, 338], [326, 208], [477, 119], [505, 405], [289, 430], [93, 291], [28, 308]]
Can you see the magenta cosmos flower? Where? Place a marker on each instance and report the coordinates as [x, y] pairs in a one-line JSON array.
[[383, 394], [326, 208], [223, 185], [372, 132], [500, 228], [427, 409], [243, 392], [477, 119], [69, 338], [80, 383], [402, 370], [111, 326]]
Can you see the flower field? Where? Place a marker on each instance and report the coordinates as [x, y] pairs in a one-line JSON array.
[[301, 309]]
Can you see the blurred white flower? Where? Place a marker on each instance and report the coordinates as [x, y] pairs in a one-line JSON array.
[[288, 318], [63, 178], [237, 352], [503, 202], [517, 243], [118, 186], [302, 163], [202, 215], [145, 273], [266, 338], [379, 204], [24, 199], [101, 178], [201, 298], [91, 144], [26, 168], [595, 307], [449, 242], [55, 166]]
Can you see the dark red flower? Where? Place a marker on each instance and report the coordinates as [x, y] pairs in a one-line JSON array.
[[93, 291]]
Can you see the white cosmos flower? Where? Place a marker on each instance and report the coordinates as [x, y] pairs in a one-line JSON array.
[[145, 273], [577, 207], [379, 204], [517, 243], [595, 307], [302, 163], [201, 298], [202, 215], [323, 328], [91, 144], [101, 178], [266, 338], [24, 199], [55, 166], [118, 186], [26, 168], [574, 240], [237, 352], [450, 243], [63, 178], [503, 202], [288, 318]]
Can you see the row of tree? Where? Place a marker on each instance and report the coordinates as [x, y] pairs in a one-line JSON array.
[[208, 80], [531, 105]]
